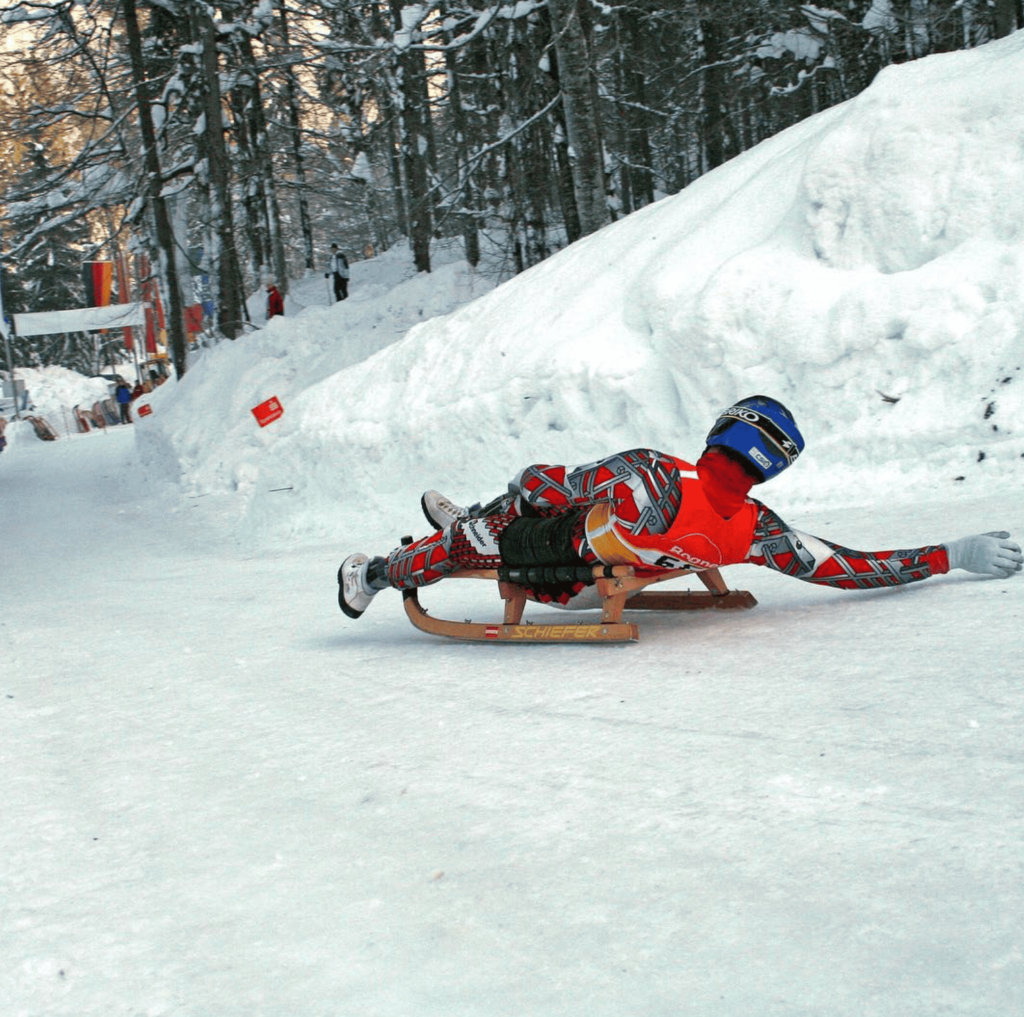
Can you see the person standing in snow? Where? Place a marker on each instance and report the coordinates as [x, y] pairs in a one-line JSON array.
[[275, 302], [656, 513], [337, 272], [123, 395]]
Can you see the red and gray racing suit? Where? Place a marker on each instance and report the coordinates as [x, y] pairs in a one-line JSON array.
[[650, 510]]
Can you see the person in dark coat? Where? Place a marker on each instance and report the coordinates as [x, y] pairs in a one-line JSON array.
[[123, 395], [337, 272]]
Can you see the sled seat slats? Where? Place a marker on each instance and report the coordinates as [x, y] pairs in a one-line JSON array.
[[696, 600]]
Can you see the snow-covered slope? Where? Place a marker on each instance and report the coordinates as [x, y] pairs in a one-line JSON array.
[[876, 249]]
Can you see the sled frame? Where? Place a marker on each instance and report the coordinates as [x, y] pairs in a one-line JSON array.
[[617, 587]]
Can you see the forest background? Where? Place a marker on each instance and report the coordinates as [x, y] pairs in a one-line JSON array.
[[217, 146]]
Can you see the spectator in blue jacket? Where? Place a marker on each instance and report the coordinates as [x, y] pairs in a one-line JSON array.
[[124, 400]]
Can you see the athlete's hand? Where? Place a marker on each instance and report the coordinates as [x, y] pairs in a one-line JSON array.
[[988, 554]]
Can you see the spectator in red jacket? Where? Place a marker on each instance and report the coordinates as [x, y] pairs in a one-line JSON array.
[[275, 302]]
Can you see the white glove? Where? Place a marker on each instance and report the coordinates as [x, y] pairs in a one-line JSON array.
[[990, 554]]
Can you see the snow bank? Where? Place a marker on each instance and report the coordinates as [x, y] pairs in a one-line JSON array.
[[874, 251], [866, 267]]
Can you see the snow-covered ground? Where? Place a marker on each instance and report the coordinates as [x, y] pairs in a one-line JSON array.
[[222, 798]]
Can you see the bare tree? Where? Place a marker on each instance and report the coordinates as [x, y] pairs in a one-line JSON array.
[[576, 80], [154, 189]]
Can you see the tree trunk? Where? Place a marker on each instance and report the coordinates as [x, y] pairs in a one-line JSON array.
[[224, 261], [1008, 17], [253, 211], [711, 100], [946, 29], [154, 189], [581, 115], [295, 142], [638, 142], [415, 143], [465, 189], [263, 163]]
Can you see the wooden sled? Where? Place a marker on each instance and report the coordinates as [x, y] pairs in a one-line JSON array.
[[43, 430], [614, 585]]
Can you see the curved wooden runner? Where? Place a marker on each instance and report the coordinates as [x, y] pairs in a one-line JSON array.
[[614, 585]]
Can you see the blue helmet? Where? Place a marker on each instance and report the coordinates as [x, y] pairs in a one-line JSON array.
[[762, 432]]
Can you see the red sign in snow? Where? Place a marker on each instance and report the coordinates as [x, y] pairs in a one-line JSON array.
[[267, 412], [145, 410]]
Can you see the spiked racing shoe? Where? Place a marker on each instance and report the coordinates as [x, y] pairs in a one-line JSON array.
[[354, 593]]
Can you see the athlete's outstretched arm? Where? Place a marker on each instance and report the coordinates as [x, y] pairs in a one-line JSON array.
[[779, 546]]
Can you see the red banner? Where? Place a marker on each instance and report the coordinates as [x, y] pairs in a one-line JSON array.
[[124, 296], [193, 320], [150, 289]]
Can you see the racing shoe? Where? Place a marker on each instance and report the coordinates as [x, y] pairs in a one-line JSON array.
[[440, 511], [360, 579]]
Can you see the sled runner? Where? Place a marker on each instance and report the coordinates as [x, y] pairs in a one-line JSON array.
[[617, 586]]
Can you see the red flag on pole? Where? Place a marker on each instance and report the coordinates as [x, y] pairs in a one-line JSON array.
[[124, 296]]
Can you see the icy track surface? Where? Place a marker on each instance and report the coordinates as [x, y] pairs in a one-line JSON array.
[[221, 798]]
